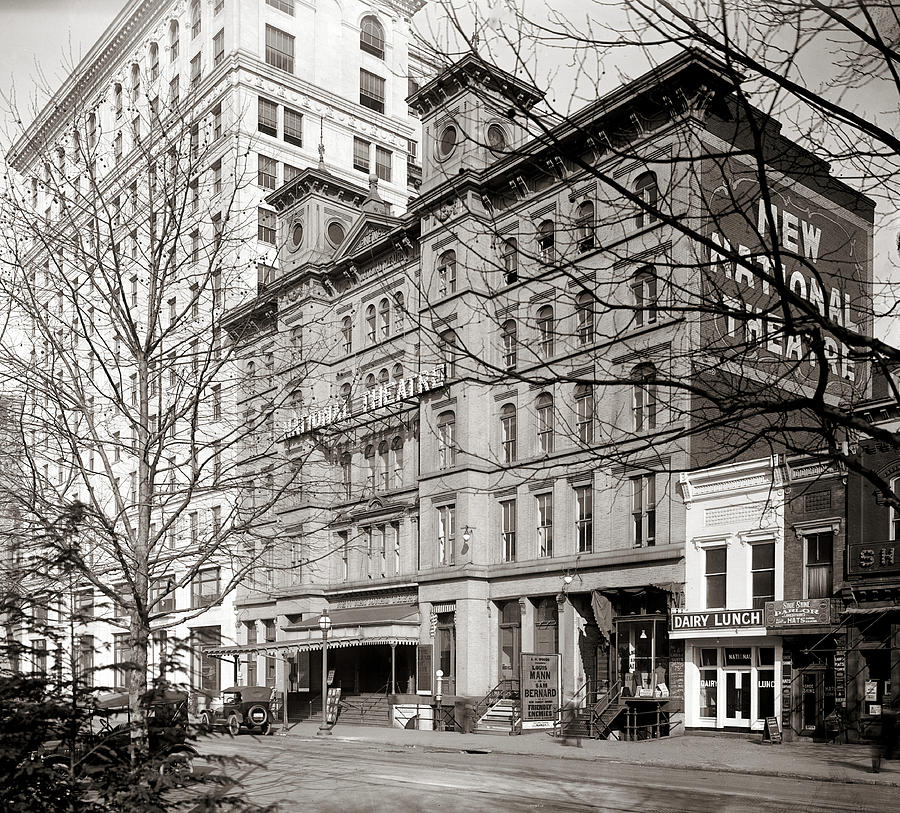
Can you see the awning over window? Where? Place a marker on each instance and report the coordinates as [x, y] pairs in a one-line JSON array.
[[358, 626]]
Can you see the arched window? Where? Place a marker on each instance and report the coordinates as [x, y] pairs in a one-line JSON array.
[[397, 462], [643, 397], [546, 237], [135, 80], [509, 336], [371, 465], [92, 134], [345, 391], [383, 376], [398, 312], [584, 413], [508, 432], [346, 475], [370, 324], [446, 426], [397, 372], [173, 40], [371, 36], [154, 61], [545, 421], [117, 99], [447, 273], [645, 187], [644, 292], [347, 333], [510, 259], [384, 469], [370, 382], [584, 226], [584, 317], [546, 333], [384, 318]]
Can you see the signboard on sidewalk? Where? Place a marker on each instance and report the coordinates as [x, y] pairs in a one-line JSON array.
[[539, 690], [332, 704], [798, 612]]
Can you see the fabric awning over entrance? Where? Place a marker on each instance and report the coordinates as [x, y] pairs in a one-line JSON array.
[[359, 626]]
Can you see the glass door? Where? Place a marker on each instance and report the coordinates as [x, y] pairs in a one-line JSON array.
[[737, 698]]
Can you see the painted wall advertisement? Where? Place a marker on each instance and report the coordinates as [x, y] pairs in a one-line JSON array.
[[539, 690], [823, 258]]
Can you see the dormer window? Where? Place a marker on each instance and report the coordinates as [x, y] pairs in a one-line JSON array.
[[371, 37]]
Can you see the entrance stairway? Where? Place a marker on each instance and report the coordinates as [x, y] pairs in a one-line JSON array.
[[501, 718], [596, 720]]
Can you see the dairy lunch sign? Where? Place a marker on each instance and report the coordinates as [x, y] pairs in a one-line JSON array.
[[715, 619]]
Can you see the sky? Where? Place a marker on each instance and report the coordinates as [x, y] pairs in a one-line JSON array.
[[49, 34]]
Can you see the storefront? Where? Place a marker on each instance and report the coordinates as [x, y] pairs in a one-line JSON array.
[[732, 669]]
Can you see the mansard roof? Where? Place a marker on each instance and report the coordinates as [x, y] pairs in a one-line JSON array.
[[471, 71]]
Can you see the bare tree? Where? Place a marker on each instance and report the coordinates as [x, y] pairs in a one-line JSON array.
[[123, 248], [723, 204]]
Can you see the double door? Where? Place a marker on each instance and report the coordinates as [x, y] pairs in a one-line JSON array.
[[738, 697]]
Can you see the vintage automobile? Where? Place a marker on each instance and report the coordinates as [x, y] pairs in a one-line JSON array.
[[240, 707], [108, 737]]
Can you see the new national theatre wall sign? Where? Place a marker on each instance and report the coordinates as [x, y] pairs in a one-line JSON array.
[[371, 400]]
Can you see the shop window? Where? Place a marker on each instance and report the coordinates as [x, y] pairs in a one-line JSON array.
[[709, 682], [643, 510], [763, 574], [545, 422], [647, 191], [508, 433], [715, 573], [508, 529], [819, 564], [545, 524], [446, 534], [642, 646], [765, 700], [508, 333], [371, 36]]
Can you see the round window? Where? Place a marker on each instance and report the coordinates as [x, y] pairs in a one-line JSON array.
[[496, 137], [447, 141], [297, 234], [335, 233]]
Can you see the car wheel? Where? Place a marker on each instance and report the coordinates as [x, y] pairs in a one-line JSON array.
[[265, 728], [234, 727], [205, 722], [177, 763]]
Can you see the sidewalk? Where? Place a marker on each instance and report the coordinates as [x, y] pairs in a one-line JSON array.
[[807, 760]]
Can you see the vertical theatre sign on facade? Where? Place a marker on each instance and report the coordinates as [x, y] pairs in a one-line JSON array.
[[824, 262]]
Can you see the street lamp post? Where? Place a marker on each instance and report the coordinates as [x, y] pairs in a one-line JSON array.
[[324, 625]]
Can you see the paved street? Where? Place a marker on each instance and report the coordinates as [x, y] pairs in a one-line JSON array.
[[350, 776]]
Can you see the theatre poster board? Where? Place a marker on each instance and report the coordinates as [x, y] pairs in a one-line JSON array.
[[540, 690]]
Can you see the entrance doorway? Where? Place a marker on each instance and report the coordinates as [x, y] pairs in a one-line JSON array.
[[737, 698], [510, 640]]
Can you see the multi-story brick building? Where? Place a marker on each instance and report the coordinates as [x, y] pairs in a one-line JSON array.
[[469, 493], [237, 97]]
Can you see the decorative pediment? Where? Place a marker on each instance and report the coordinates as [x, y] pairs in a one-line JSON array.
[[368, 230]]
